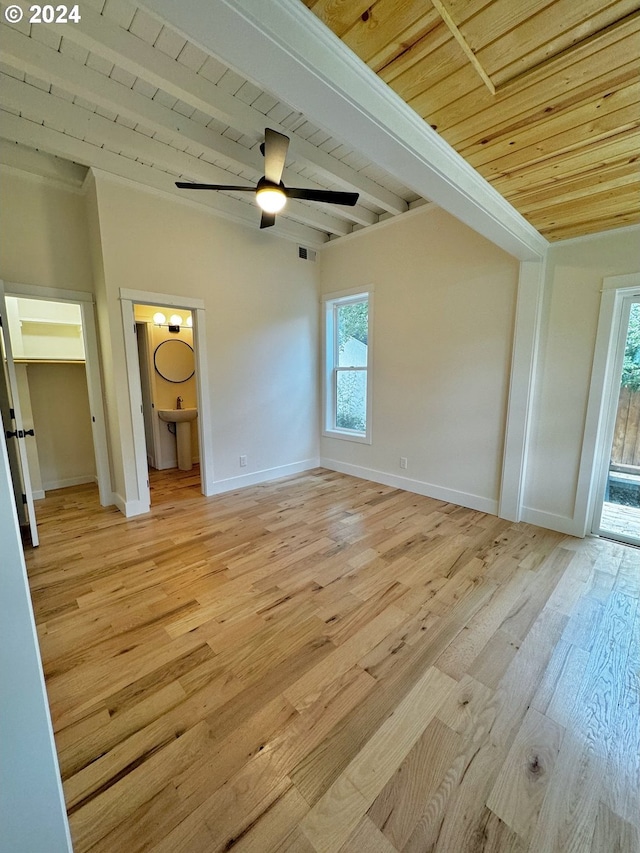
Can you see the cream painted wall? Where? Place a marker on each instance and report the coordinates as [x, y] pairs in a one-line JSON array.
[[262, 317], [573, 283], [444, 315], [44, 233], [107, 367], [62, 421]]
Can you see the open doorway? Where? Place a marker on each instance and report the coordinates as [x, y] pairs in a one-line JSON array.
[[166, 358], [136, 352], [57, 393], [617, 511]]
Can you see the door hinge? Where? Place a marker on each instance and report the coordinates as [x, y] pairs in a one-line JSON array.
[[24, 498], [12, 414]]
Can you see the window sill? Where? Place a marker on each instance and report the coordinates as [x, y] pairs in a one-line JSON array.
[[346, 435]]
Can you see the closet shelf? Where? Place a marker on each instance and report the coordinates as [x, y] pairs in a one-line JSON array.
[[77, 324], [23, 360]]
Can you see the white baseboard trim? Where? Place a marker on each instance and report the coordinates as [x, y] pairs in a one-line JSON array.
[[130, 508], [256, 477], [418, 487], [551, 521], [38, 494], [68, 481]]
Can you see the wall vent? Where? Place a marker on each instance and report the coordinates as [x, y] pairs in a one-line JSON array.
[[306, 254]]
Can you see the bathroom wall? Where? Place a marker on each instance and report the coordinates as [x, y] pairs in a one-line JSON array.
[[165, 393]]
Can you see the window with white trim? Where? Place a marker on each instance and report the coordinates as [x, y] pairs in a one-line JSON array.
[[347, 385]]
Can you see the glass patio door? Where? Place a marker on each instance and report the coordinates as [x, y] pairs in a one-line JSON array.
[[618, 513]]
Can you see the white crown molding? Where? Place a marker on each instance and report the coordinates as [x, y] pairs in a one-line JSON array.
[[424, 210], [33, 177], [224, 208], [289, 52]]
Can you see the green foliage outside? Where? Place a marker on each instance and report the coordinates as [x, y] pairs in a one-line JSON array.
[[351, 387], [631, 364], [353, 322]]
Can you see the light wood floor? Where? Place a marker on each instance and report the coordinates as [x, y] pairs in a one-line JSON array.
[[325, 664]]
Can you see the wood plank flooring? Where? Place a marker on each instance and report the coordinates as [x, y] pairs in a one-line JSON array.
[[326, 665]]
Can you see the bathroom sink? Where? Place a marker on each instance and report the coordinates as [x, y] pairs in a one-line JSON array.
[[181, 418], [177, 416]]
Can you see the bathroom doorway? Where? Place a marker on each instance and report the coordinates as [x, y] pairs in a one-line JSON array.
[[166, 357], [165, 350]]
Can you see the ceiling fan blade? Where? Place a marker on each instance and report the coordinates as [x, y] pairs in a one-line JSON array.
[[276, 146], [184, 185], [267, 219], [328, 196]]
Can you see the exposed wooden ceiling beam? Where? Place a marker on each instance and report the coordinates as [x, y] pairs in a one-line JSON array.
[[97, 34], [33, 135], [53, 169], [32, 57], [81, 123], [296, 58]]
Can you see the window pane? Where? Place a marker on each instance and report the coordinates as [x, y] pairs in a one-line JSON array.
[[351, 399], [353, 333]]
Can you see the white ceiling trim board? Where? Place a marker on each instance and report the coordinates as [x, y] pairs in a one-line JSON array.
[[292, 54], [35, 177], [424, 209]]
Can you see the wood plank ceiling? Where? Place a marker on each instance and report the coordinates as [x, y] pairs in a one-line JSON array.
[[540, 96]]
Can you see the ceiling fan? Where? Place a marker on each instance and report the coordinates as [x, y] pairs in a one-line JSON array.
[[271, 193]]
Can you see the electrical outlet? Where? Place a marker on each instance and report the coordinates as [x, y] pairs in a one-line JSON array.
[[243, 461], [403, 461]]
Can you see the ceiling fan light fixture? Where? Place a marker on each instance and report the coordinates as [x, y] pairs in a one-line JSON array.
[[271, 199]]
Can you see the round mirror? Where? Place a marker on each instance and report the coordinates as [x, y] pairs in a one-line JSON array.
[[174, 361]]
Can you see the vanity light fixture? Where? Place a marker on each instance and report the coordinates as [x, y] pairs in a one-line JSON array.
[[175, 321], [159, 319], [190, 321]]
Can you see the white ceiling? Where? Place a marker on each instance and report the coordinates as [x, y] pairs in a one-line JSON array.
[[126, 94]]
